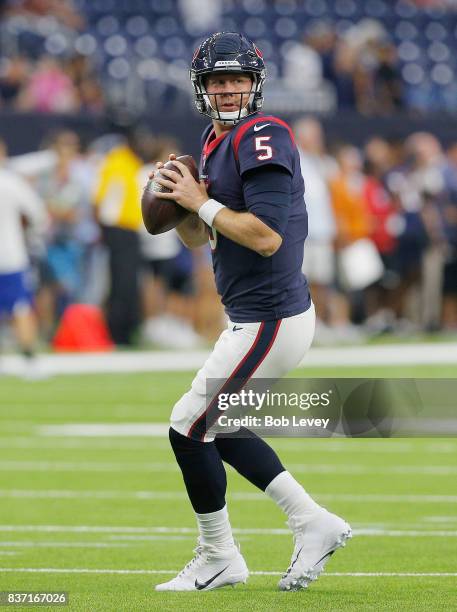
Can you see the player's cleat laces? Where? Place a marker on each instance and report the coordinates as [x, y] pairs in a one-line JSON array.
[[209, 569], [315, 543]]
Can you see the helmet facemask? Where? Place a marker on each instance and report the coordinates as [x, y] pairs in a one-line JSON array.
[[246, 107]]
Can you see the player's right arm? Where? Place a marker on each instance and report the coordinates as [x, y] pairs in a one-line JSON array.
[[192, 231]]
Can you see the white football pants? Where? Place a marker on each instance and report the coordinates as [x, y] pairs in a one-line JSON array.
[[243, 351]]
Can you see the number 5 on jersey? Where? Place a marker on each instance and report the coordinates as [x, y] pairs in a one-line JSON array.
[[267, 151]]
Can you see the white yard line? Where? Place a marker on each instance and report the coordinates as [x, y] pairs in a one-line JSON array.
[[111, 437], [372, 532], [312, 468], [119, 543], [105, 435], [66, 440], [234, 496], [86, 443], [160, 361], [85, 466], [56, 544], [436, 470], [440, 519], [369, 532], [61, 570], [98, 430]]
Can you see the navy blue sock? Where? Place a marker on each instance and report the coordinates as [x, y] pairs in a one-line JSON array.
[[202, 470], [251, 456]]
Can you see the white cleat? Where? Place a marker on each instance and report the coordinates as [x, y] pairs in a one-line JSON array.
[[315, 543], [209, 569]]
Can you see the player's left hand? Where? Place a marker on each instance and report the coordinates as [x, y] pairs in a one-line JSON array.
[[185, 190]]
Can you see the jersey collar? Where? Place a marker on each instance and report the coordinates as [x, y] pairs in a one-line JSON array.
[[212, 143]]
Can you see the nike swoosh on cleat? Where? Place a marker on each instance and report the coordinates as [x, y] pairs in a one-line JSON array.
[[257, 128], [235, 328], [293, 562], [329, 554], [202, 585]]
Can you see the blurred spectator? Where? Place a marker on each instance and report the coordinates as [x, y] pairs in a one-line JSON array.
[[88, 89], [380, 206], [388, 87], [352, 219], [420, 188], [426, 175], [168, 277], [380, 299], [319, 256], [344, 68], [117, 197], [450, 265], [201, 17], [322, 38], [352, 224], [63, 192], [91, 97], [49, 89], [62, 10], [364, 69], [302, 67], [83, 170], [14, 73], [168, 292], [362, 42], [22, 213]]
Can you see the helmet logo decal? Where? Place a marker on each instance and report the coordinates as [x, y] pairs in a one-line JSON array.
[[227, 63], [258, 51]]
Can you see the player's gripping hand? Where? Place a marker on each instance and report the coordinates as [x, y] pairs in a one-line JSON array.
[[184, 189], [159, 165]]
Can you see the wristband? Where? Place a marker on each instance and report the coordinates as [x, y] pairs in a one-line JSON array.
[[209, 210]]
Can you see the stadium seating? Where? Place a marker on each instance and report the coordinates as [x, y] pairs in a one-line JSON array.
[[149, 39]]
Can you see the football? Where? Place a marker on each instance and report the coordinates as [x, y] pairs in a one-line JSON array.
[[160, 215]]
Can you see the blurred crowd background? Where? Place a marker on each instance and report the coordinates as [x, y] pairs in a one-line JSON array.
[[377, 56], [381, 256]]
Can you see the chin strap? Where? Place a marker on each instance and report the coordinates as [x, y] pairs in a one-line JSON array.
[[232, 118], [229, 118]]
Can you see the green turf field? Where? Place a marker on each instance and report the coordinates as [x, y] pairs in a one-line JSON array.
[[106, 517]]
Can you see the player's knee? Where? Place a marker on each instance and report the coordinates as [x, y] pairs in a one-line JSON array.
[[181, 443], [177, 440]]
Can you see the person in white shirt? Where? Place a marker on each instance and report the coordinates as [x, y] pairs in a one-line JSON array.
[[21, 211], [319, 254], [167, 286]]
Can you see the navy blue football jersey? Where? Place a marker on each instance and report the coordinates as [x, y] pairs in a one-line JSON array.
[[253, 287]]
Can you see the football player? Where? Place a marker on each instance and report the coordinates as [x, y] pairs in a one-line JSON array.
[[250, 204]]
